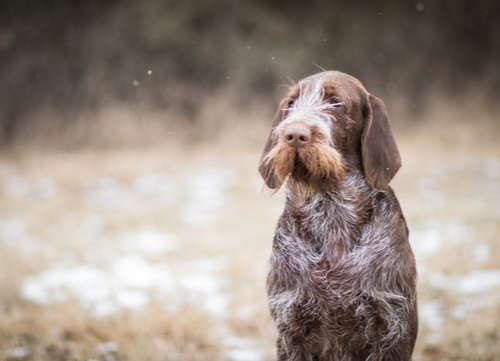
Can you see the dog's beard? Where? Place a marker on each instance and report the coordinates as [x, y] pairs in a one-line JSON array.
[[315, 165]]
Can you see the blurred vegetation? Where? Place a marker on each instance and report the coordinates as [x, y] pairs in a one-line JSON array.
[[63, 57]]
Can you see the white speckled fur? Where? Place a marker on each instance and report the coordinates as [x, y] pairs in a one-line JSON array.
[[311, 109], [342, 279]]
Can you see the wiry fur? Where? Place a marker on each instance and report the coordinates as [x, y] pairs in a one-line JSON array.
[[342, 277], [317, 163]]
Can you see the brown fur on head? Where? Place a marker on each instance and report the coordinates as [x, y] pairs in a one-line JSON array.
[[315, 164], [347, 129]]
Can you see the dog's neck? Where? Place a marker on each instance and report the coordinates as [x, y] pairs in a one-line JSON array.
[[351, 188], [336, 215]]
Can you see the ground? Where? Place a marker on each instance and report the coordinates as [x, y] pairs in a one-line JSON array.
[[160, 252]]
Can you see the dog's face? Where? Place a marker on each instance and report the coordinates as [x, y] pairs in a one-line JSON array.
[[327, 126]]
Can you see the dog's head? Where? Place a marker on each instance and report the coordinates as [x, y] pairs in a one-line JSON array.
[[325, 127]]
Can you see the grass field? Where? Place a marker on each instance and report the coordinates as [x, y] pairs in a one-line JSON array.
[[159, 251]]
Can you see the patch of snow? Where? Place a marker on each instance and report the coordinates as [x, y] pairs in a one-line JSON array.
[[481, 252], [104, 308], [18, 352], [244, 355], [425, 241], [205, 290], [92, 227], [474, 282], [241, 349], [492, 168], [200, 283], [157, 187], [205, 194], [12, 229], [456, 230], [215, 304], [148, 240], [246, 312], [474, 303], [46, 188], [132, 299], [134, 271], [57, 284], [431, 314], [428, 237], [109, 193], [432, 197], [17, 186], [126, 283]]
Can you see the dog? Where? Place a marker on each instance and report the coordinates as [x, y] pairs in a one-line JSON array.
[[342, 276]]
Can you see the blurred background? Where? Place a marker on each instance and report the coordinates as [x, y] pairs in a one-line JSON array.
[[133, 225], [65, 60]]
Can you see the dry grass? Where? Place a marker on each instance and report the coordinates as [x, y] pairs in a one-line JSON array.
[[96, 208], [449, 188]]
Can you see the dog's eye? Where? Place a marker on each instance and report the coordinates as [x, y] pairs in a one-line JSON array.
[[334, 100], [291, 103]]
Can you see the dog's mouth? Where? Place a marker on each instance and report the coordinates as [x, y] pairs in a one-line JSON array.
[[314, 164], [300, 170]]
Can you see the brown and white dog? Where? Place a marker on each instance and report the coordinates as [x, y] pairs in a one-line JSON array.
[[342, 279]]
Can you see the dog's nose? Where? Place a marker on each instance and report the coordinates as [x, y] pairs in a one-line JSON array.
[[297, 136]]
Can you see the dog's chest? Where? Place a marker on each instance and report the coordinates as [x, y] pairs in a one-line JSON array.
[[322, 225], [308, 265]]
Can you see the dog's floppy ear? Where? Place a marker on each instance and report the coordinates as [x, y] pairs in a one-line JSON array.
[[381, 159], [266, 168]]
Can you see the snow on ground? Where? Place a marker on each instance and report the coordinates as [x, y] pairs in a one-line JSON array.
[[127, 282], [126, 269], [133, 274]]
